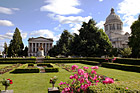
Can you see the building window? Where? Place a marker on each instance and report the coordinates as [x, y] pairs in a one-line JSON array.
[[110, 26], [106, 27], [113, 27], [118, 26]]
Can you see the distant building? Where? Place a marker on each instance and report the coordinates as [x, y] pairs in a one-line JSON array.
[[35, 43], [114, 29]]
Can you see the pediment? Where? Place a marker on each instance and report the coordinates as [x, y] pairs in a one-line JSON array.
[[41, 39]]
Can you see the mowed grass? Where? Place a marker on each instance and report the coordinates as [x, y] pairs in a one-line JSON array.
[[39, 82]]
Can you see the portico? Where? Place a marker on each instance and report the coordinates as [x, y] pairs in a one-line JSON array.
[[35, 43]]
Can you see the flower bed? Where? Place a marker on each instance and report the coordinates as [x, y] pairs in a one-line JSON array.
[[9, 68], [82, 80]]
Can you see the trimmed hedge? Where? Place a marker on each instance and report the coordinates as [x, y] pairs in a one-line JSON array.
[[122, 66], [132, 61], [83, 58], [44, 64], [26, 70], [17, 60], [51, 69], [30, 64]]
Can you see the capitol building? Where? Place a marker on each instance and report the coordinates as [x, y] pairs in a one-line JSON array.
[[114, 29]]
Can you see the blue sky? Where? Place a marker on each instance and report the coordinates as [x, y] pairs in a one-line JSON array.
[[49, 18]]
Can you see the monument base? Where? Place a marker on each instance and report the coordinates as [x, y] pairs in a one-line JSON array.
[[7, 91], [53, 90]]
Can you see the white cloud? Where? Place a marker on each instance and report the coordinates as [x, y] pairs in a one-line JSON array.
[[5, 10], [45, 33], [23, 35], [69, 19], [75, 28], [62, 7], [129, 7], [58, 28], [6, 23], [130, 10], [100, 24], [100, 0], [8, 35]]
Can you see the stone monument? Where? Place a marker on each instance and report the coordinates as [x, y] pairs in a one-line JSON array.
[[40, 52]]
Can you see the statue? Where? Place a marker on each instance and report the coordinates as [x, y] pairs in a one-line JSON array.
[[40, 52]]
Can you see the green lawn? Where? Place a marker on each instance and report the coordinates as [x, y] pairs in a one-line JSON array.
[[39, 82]]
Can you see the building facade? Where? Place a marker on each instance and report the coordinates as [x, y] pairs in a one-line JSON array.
[[35, 43], [114, 29]]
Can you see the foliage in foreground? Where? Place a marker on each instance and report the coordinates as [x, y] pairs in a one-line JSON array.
[[82, 80]]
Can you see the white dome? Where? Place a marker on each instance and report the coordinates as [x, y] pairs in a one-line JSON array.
[[113, 17]]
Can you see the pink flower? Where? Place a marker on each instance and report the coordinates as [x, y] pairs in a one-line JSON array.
[[94, 78], [93, 72], [108, 81], [86, 75], [95, 67], [67, 89], [74, 67], [81, 79], [75, 76], [85, 67], [97, 81], [71, 77], [78, 89], [73, 82], [61, 83], [126, 87], [81, 71]]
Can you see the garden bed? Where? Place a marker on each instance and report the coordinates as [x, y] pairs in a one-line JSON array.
[[8, 68]]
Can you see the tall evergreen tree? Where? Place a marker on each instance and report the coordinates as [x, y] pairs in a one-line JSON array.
[[62, 45], [134, 39], [5, 48], [16, 45]]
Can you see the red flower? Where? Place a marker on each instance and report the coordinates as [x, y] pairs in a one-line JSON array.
[[11, 82]]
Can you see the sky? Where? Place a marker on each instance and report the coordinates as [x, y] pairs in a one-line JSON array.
[[49, 18]]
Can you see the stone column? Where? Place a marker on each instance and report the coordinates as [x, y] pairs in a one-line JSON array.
[[28, 47], [45, 49], [32, 47], [35, 47], [48, 46], [38, 44]]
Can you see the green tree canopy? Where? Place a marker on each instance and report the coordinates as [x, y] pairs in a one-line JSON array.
[[134, 39], [126, 52], [16, 45], [62, 46], [5, 48], [91, 41]]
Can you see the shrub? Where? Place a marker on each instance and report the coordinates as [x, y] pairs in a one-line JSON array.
[[51, 69], [47, 57], [82, 80], [26, 70], [30, 64], [45, 64], [122, 66], [33, 57]]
